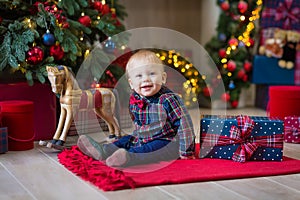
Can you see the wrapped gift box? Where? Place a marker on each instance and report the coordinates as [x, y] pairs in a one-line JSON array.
[[17, 115], [281, 13], [267, 71], [292, 129], [44, 105], [227, 137], [3, 140], [284, 101]]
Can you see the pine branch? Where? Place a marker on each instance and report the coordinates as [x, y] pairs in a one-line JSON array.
[[5, 51], [72, 6], [76, 26]]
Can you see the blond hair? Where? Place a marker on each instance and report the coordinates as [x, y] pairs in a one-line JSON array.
[[143, 57]]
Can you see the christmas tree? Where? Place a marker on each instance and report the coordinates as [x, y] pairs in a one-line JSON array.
[[231, 49], [35, 34]]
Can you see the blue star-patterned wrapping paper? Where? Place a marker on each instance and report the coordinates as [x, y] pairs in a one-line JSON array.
[[221, 125]]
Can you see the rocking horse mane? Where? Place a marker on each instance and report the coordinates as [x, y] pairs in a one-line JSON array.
[[66, 73]]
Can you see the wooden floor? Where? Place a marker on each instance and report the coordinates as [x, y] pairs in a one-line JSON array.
[[36, 174]]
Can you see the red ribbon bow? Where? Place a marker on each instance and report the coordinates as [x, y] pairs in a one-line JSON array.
[[139, 102], [241, 134]]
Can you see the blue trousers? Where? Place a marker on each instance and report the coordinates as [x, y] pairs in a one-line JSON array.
[[150, 152]]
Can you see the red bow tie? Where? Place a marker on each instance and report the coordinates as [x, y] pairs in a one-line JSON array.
[[139, 102]]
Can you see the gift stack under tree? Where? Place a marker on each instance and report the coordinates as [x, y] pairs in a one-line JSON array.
[[278, 57], [276, 67]]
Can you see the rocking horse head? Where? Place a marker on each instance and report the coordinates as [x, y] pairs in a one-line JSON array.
[[58, 76]]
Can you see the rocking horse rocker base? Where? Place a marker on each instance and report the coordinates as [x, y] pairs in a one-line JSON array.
[[101, 100], [52, 145]]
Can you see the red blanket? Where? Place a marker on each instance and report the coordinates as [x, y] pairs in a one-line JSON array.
[[176, 172]]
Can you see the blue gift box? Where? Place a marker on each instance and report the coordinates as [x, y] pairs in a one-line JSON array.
[[3, 140], [219, 127], [267, 71]]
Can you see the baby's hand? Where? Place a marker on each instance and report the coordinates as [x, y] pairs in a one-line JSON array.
[[188, 157]]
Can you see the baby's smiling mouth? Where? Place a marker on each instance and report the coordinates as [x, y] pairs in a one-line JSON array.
[[146, 86]]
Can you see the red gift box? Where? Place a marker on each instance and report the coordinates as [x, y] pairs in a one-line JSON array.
[[44, 103], [18, 118], [292, 129], [284, 101]]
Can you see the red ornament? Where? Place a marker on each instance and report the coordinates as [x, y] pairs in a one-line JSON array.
[[118, 23], [1, 19], [231, 66], [245, 78], [222, 53], [57, 52], [242, 6], [105, 9], [65, 25], [241, 74], [207, 91], [234, 104], [35, 55], [225, 97], [101, 8], [98, 6], [225, 5], [247, 66], [85, 20], [233, 42]]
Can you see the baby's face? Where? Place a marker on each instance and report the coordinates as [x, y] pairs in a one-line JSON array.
[[147, 79]]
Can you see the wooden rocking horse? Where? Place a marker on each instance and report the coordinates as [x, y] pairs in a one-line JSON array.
[[72, 98]]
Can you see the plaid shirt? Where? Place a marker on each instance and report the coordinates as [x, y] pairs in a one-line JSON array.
[[162, 116]]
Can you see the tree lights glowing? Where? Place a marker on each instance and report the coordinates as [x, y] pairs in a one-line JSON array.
[[231, 49]]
